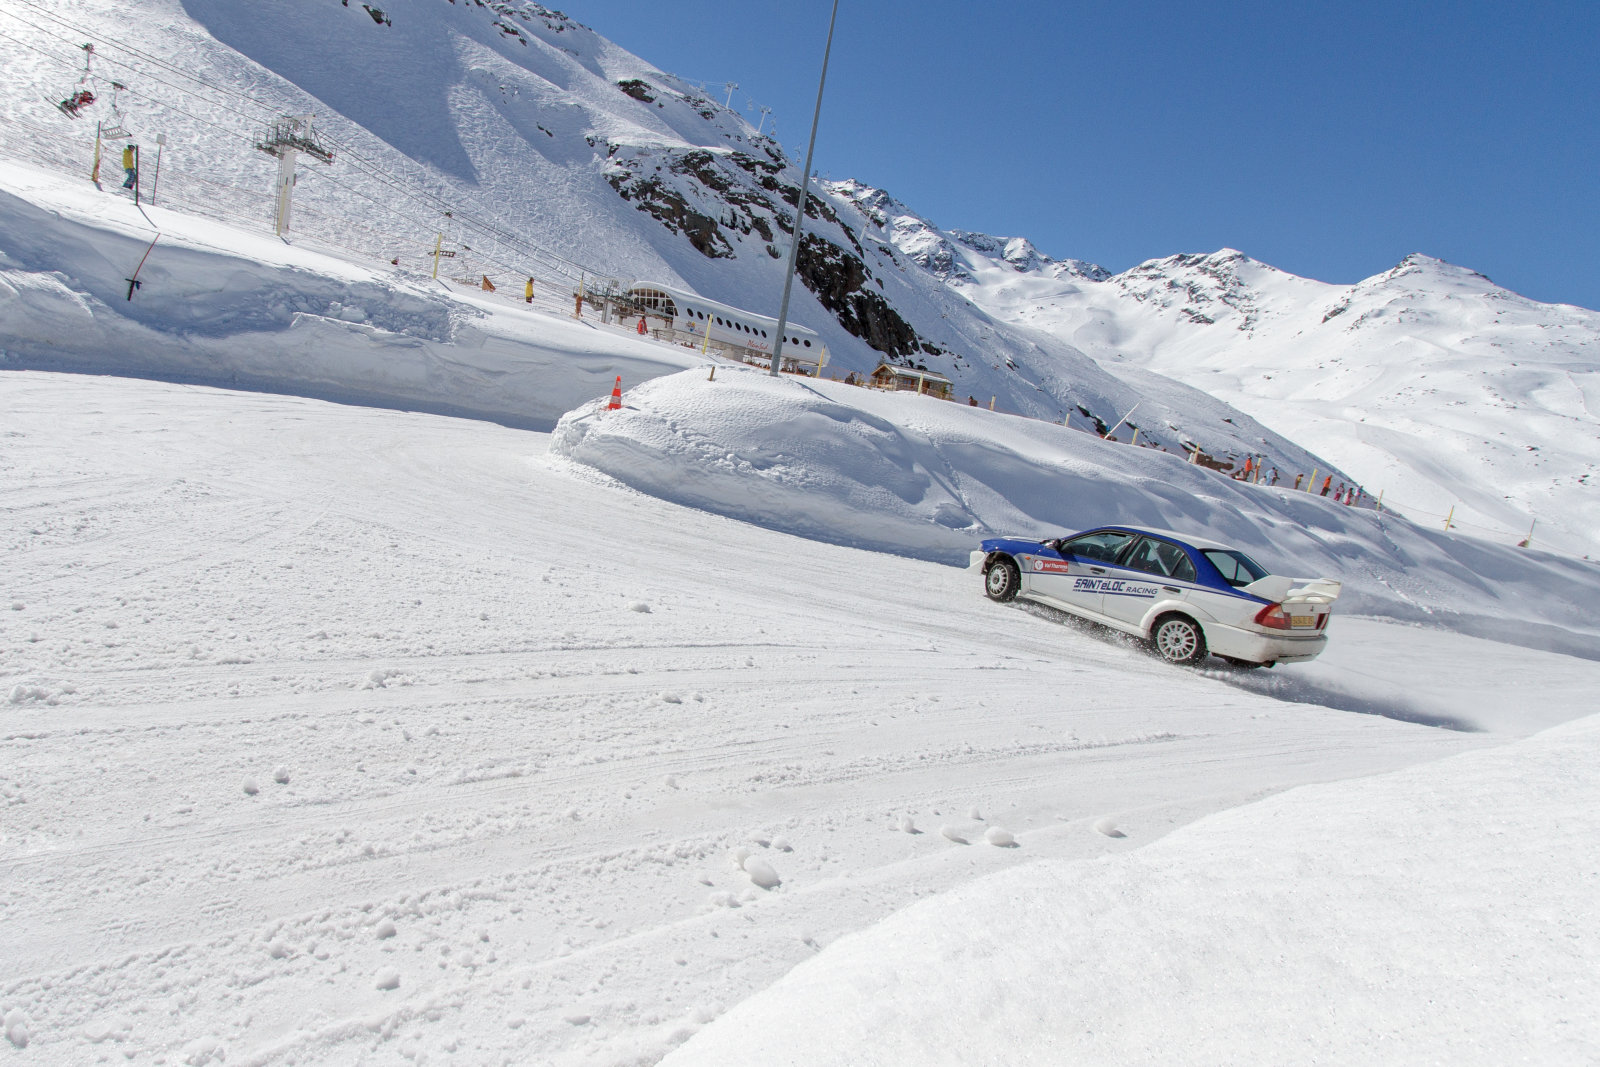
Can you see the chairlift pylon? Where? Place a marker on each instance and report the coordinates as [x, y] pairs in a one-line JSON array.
[[287, 137], [82, 94]]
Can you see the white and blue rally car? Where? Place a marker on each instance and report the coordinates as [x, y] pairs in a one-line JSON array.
[[1185, 595]]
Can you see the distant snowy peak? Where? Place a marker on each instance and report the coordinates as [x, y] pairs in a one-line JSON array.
[[1422, 289], [953, 255], [896, 225], [1022, 256], [1224, 287]]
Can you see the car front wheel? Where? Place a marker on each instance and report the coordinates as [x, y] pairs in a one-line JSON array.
[[1001, 580], [1179, 640]]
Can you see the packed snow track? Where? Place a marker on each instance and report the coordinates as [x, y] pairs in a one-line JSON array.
[[336, 735]]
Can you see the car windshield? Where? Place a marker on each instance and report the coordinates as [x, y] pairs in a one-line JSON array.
[[1236, 567]]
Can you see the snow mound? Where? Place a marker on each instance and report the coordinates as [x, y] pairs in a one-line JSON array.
[[1000, 837], [17, 1029], [1220, 943], [919, 477], [762, 873]]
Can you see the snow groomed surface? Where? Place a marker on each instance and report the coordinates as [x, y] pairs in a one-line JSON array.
[[333, 733]]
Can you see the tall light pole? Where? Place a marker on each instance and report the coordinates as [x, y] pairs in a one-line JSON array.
[[800, 208]]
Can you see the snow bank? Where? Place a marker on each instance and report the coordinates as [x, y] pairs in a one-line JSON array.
[[919, 477], [223, 307], [1244, 938]]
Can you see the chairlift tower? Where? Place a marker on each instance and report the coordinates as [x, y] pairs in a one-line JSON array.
[[730, 86], [286, 138]]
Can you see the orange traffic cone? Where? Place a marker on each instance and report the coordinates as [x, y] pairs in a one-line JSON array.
[[616, 396]]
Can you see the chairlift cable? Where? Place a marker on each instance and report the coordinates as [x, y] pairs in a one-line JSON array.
[[428, 198], [135, 51], [425, 197]]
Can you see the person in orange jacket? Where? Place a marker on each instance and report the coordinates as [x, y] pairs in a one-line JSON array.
[[1326, 483]]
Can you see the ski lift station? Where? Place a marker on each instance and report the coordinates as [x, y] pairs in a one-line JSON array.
[[742, 335]]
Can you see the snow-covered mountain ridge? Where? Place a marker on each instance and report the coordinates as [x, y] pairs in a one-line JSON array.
[[1427, 381]]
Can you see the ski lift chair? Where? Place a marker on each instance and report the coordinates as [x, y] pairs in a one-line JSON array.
[[116, 130], [82, 96]]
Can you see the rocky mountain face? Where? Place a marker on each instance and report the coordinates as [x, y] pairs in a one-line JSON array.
[[949, 255]]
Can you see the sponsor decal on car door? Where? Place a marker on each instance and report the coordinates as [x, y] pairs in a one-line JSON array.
[[1059, 579], [1083, 574]]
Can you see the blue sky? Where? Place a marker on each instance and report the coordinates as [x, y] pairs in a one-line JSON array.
[[1328, 140]]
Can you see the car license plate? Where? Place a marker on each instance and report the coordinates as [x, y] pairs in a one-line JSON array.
[[1306, 621]]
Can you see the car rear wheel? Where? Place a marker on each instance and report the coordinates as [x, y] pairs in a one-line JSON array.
[[1179, 640], [1002, 579]]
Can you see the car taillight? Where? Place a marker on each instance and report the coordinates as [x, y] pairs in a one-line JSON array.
[[1274, 617], [1322, 620]]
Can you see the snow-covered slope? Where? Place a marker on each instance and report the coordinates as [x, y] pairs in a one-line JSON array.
[[909, 475], [1427, 382], [526, 144], [341, 735], [1241, 939], [222, 306]]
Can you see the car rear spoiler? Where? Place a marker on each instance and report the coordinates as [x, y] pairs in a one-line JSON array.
[[1281, 590]]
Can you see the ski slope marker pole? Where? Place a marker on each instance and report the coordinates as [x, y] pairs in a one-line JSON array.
[[161, 142], [438, 242], [1122, 420], [133, 282]]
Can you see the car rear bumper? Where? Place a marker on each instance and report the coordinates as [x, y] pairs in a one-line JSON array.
[[1256, 647]]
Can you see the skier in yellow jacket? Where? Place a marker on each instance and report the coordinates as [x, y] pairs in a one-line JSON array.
[[130, 164]]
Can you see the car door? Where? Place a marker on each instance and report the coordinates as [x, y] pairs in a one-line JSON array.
[[1086, 561], [1150, 570]]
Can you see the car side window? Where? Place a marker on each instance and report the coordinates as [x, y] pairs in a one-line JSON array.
[[1144, 558], [1161, 558], [1105, 546], [1183, 570], [1236, 568]]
